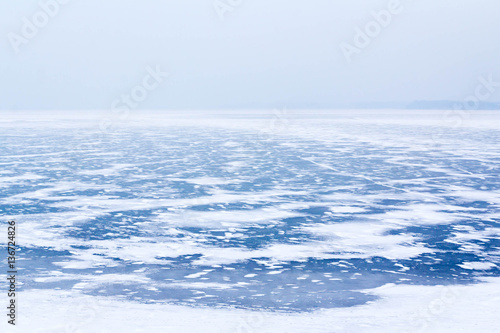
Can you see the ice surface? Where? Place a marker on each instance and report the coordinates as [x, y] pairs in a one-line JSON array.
[[329, 222]]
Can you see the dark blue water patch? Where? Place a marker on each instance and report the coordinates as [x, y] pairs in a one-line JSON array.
[[270, 293], [186, 259], [26, 209], [476, 204], [302, 286], [91, 193], [260, 237], [292, 223], [441, 265], [490, 183], [392, 202], [243, 187], [314, 211], [280, 300], [431, 234], [372, 273], [376, 187], [255, 237], [490, 245], [436, 236], [42, 252], [34, 261], [124, 194], [17, 209], [344, 274]]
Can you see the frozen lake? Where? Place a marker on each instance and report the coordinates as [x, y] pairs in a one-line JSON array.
[[285, 214]]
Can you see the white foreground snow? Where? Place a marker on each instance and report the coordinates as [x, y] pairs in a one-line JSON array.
[[400, 309]]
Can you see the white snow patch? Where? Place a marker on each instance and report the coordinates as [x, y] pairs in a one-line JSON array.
[[433, 309]]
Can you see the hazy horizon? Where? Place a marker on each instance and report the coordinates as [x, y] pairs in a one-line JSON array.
[[246, 55]]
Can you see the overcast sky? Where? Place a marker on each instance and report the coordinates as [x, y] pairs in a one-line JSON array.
[[244, 53]]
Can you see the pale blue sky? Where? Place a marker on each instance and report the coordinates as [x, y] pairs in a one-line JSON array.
[[264, 54]]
